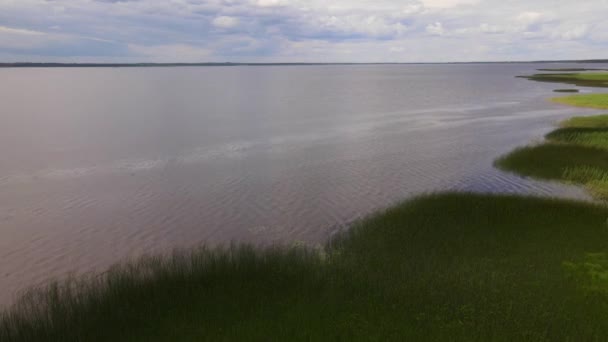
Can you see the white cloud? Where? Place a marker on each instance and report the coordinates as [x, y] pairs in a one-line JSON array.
[[370, 25], [447, 3], [225, 22], [573, 33], [435, 29], [171, 53], [273, 30], [528, 19], [12, 30], [487, 28], [270, 3]]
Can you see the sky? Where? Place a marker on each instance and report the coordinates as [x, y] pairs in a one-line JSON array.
[[301, 30]]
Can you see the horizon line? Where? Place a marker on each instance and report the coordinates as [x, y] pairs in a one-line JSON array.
[[177, 64]]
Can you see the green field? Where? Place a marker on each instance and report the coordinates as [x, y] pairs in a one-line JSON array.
[[448, 267]]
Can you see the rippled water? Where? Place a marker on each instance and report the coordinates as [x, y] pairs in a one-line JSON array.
[[98, 165]]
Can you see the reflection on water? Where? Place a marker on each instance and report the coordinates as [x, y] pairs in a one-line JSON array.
[[103, 164]]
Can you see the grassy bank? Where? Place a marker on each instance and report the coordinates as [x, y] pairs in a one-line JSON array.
[[586, 79], [457, 267], [575, 153], [444, 267], [571, 69], [597, 101]]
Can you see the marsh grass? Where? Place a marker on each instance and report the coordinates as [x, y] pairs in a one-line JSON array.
[[572, 69], [565, 90], [443, 267], [597, 101], [586, 79], [575, 153], [583, 136], [595, 121], [452, 267], [581, 79]]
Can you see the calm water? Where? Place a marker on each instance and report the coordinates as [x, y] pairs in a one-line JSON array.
[[97, 165]]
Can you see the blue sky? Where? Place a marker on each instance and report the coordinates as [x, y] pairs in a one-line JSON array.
[[301, 30]]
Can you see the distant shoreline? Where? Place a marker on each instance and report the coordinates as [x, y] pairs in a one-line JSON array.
[[148, 65]]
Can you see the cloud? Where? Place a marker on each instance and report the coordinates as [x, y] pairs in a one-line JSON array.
[[270, 3], [576, 32], [435, 29], [171, 53], [225, 22], [281, 30], [18, 31], [114, 1], [447, 3]]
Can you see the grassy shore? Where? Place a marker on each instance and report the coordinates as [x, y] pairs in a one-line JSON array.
[[585, 79], [578, 151], [442, 267], [597, 101], [575, 153], [453, 267]]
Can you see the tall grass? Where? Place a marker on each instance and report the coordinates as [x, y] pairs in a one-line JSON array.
[[595, 121], [583, 136], [576, 153], [449, 267]]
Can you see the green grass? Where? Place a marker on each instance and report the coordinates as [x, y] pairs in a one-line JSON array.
[[592, 137], [572, 69], [575, 153], [587, 79], [595, 121], [587, 166], [449, 267], [598, 101], [443, 267]]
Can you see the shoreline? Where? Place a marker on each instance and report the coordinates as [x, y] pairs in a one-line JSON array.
[[446, 266]]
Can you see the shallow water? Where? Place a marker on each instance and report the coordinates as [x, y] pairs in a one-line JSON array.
[[102, 164]]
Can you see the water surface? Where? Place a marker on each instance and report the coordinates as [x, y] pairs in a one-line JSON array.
[[102, 164]]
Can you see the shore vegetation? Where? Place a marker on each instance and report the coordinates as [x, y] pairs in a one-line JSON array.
[[445, 267]]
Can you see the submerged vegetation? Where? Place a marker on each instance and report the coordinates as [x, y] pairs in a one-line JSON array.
[[566, 90], [441, 267]]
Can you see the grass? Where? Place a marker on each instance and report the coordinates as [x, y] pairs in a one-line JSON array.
[[595, 121], [448, 267], [574, 164], [566, 90], [586, 79], [575, 153], [598, 101], [571, 69], [442, 267]]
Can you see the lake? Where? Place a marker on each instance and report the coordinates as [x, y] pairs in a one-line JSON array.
[[102, 164]]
